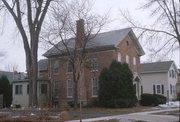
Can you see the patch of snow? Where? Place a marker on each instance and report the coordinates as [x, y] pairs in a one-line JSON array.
[[32, 114], [170, 104]]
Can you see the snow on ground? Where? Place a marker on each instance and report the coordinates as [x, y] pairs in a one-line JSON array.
[[170, 104]]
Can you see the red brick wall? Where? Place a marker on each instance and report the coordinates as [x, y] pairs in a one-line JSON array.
[[104, 60]]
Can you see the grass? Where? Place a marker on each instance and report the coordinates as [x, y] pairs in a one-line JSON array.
[[115, 110], [64, 115]]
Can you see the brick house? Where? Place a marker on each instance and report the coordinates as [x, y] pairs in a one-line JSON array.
[[121, 45]]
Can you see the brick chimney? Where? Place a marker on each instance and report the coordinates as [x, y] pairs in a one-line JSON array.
[[80, 35]]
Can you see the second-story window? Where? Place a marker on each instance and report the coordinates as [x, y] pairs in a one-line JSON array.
[[134, 64], [170, 73], [94, 64], [127, 59], [56, 67], [173, 74], [69, 67], [119, 57]]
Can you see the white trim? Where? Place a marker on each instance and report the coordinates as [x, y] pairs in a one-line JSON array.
[[67, 88], [93, 87]]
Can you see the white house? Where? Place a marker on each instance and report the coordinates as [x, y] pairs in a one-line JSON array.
[[160, 78], [20, 92]]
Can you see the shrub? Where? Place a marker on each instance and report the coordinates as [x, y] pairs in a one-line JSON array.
[[152, 99], [162, 99], [116, 86]]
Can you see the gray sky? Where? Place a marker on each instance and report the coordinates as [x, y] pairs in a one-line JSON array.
[[11, 47]]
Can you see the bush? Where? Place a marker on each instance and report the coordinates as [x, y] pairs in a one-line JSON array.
[[162, 99], [152, 99], [116, 87]]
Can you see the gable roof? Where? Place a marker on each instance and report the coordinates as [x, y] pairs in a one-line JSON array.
[[43, 65], [156, 67], [106, 40]]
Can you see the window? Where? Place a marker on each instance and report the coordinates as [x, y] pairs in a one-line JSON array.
[[173, 74], [44, 89], [158, 91], [119, 57], [94, 87], [141, 89], [28, 89], [127, 59], [56, 67], [56, 86], [170, 73], [134, 64], [69, 88], [127, 43], [94, 64], [18, 89], [69, 67], [171, 89]]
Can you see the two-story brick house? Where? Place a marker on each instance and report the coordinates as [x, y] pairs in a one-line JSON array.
[[121, 45]]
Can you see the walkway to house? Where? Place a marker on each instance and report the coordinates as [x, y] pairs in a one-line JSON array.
[[144, 116]]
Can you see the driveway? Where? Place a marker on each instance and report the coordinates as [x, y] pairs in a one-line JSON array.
[[144, 116]]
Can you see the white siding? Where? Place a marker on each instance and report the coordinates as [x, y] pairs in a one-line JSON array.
[[21, 99]]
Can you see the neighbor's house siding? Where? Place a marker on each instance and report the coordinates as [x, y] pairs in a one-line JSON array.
[[160, 78], [150, 79], [21, 99]]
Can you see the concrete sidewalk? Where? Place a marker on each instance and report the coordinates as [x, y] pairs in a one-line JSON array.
[[144, 116]]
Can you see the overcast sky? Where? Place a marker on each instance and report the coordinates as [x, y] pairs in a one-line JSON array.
[[11, 48]]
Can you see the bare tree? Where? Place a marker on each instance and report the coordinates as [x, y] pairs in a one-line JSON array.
[[165, 30], [62, 27], [28, 16], [11, 67]]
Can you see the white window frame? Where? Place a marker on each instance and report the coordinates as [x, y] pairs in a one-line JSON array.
[[94, 64], [69, 87], [127, 59], [69, 65], [19, 89], [94, 86], [160, 89], [56, 88], [119, 57]]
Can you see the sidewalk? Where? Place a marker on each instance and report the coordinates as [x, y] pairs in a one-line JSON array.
[[145, 116]]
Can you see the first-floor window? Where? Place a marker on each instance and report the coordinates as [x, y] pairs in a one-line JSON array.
[[69, 88], [56, 86], [44, 89], [158, 89], [94, 87], [28, 89], [171, 89], [18, 89]]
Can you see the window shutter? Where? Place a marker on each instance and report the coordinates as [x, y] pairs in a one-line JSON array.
[[162, 88], [154, 89]]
